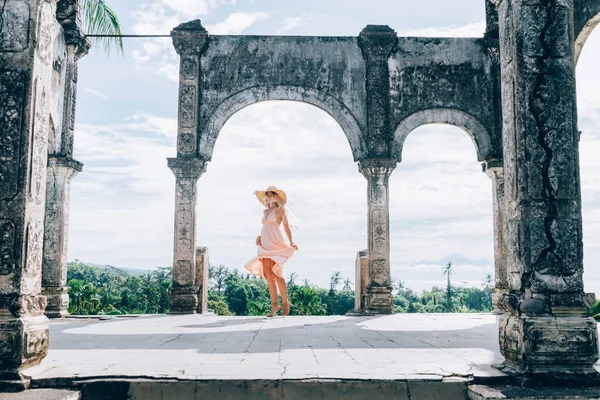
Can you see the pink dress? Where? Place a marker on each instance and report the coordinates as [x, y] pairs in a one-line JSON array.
[[273, 246]]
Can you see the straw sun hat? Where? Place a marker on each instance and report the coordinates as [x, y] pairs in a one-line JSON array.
[[261, 195]]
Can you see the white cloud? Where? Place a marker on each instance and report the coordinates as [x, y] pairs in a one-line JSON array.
[[96, 93], [161, 16], [291, 23], [236, 23], [476, 29]]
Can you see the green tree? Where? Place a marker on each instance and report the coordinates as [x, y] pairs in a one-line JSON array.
[[217, 276], [487, 281], [306, 301], [335, 280], [347, 284], [448, 270], [292, 280], [100, 19]]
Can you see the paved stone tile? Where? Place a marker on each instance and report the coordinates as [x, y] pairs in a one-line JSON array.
[[401, 346]]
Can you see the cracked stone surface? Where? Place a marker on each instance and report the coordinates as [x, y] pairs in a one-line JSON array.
[[431, 347]]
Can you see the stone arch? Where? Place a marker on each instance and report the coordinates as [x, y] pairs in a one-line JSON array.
[[478, 133], [587, 17], [246, 97]]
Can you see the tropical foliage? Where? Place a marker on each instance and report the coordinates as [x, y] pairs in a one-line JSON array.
[[100, 19], [109, 290], [106, 290]]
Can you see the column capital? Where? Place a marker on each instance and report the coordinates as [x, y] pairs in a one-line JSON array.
[[377, 41], [64, 162], [68, 14], [494, 169], [377, 167], [187, 167], [190, 38]]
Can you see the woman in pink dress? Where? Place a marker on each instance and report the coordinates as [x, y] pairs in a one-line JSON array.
[[273, 251]]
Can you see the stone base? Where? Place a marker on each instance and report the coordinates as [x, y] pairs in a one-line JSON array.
[[506, 392], [378, 300], [549, 349], [23, 344], [184, 300], [13, 382], [497, 295], [58, 301]]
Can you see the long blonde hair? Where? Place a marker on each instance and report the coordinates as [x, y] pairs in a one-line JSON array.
[[287, 214]]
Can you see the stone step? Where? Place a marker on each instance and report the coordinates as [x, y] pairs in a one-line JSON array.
[[42, 394], [257, 389], [508, 392]]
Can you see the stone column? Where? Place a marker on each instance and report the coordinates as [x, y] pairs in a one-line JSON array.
[[202, 266], [61, 171], [190, 40], [495, 171], [184, 294], [62, 168], [545, 332], [360, 282], [376, 43], [378, 298], [27, 34]]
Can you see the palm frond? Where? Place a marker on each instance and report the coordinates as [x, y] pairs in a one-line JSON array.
[[100, 19]]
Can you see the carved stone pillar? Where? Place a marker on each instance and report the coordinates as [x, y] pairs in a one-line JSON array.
[[360, 280], [62, 168], [202, 266], [61, 171], [184, 294], [495, 172], [190, 40], [378, 298], [27, 34], [545, 331], [376, 43]]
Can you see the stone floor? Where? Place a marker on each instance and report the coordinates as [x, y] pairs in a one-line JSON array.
[[401, 346]]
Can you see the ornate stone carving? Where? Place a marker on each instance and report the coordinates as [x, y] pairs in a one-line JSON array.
[[7, 247], [187, 106], [46, 32], [380, 272], [186, 142], [380, 232], [182, 273], [189, 67], [39, 152], [34, 242], [11, 106]]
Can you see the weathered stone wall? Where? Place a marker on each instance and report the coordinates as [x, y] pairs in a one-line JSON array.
[[241, 70], [69, 46], [32, 48], [545, 328], [446, 80], [586, 16]]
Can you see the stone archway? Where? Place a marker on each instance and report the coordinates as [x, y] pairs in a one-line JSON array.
[[586, 16], [246, 97], [471, 125]]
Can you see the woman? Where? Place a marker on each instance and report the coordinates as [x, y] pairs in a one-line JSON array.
[[273, 251]]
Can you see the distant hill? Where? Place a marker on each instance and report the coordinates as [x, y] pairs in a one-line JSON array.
[[118, 270]]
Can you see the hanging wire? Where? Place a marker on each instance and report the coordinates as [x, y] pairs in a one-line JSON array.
[[127, 36]]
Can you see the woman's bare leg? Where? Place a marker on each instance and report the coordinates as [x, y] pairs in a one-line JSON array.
[[270, 277], [284, 294]]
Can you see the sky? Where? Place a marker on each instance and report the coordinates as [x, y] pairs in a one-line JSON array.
[[440, 202]]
